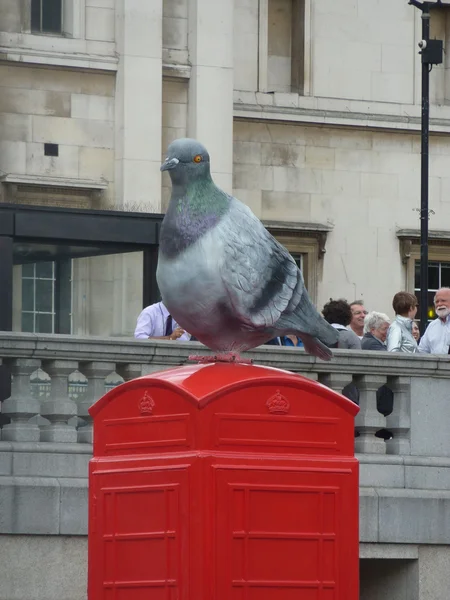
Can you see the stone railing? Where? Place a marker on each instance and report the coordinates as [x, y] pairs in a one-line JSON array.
[[46, 436], [56, 378]]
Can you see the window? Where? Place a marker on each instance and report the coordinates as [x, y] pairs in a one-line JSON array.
[[47, 297], [440, 29], [47, 16], [299, 259], [438, 276], [307, 248], [438, 262], [282, 52]]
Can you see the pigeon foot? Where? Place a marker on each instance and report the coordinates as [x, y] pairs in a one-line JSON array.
[[226, 357]]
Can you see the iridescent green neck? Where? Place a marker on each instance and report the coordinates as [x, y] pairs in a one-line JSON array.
[[193, 210]]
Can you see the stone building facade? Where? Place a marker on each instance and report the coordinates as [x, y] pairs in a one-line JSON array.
[[310, 110]]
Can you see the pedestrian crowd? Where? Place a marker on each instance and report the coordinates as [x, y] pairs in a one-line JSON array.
[[360, 329], [357, 328]]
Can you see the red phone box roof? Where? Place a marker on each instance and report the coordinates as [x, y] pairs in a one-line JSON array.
[[233, 407]]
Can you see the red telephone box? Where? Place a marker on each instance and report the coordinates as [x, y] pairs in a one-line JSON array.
[[223, 482]]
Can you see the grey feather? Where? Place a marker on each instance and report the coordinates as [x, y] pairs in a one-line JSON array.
[[223, 277]]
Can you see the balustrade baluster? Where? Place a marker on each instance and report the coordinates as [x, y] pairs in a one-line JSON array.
[[309, 375], [129, 371], [59, 408], [336, 381], [96, 373], [399, 421], [20, 407], [368, 421]]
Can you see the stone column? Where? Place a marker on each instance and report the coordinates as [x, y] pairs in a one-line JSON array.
[[368, 421], [399, 421], [138, 117], [21, 406], [95, 372], [210, 109], [59, 408], [129, 371], [336, 381], [309, 375], [81, 290]]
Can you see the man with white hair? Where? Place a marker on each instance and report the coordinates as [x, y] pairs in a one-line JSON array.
[[436, 339], [376, 326]]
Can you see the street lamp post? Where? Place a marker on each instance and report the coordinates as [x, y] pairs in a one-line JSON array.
[[432, 54]]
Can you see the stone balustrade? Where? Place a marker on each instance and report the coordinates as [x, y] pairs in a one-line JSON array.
[[56, 378], [46, 444], [46, 436]]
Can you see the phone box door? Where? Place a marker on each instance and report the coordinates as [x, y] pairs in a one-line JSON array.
[[286, 533]]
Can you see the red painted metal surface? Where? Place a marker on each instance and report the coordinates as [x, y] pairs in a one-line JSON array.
[[223, 482]]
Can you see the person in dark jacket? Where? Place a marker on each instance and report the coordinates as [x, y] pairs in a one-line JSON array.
[[376, 326], [339, 314]]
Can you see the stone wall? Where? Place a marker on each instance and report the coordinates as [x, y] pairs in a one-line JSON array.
[[175, 32], [362, 183], [246, 45], [43, 567], [359, 52], [57, 106], [174, 124]]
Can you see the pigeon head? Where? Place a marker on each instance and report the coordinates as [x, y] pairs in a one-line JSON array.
[[186, 160]]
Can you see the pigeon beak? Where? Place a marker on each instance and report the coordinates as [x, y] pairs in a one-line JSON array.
[[169, 164]]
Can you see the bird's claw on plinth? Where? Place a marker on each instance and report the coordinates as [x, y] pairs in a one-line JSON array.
[[228, 357]]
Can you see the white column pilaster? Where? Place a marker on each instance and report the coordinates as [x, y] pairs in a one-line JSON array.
[[139, 104], [210, 111]]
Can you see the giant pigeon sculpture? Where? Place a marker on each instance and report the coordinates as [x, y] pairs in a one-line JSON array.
[[221, 274]]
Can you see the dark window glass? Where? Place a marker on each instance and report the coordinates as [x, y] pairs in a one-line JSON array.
[[430, 306], [35, 15], [52, 16], [445, 275], [47, 288], [298, 259], [438, 275], [28, 322], [417, 276], [433, 276], [27, 294], [44, 295], [27, 270], [44, 270], [44, 323]]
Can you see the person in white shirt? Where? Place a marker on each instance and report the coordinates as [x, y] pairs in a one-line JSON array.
[[436, 339], [156, 322]]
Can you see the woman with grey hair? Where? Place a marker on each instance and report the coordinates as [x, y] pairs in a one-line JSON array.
[[376, 326]]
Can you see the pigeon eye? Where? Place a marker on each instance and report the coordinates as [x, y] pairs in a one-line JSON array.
[[198, 158]]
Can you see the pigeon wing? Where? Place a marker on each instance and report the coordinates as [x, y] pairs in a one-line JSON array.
[[261, 278]]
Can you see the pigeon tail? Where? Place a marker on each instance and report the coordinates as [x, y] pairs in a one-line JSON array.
[[316, 325], [315, 347], [306, 320]]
